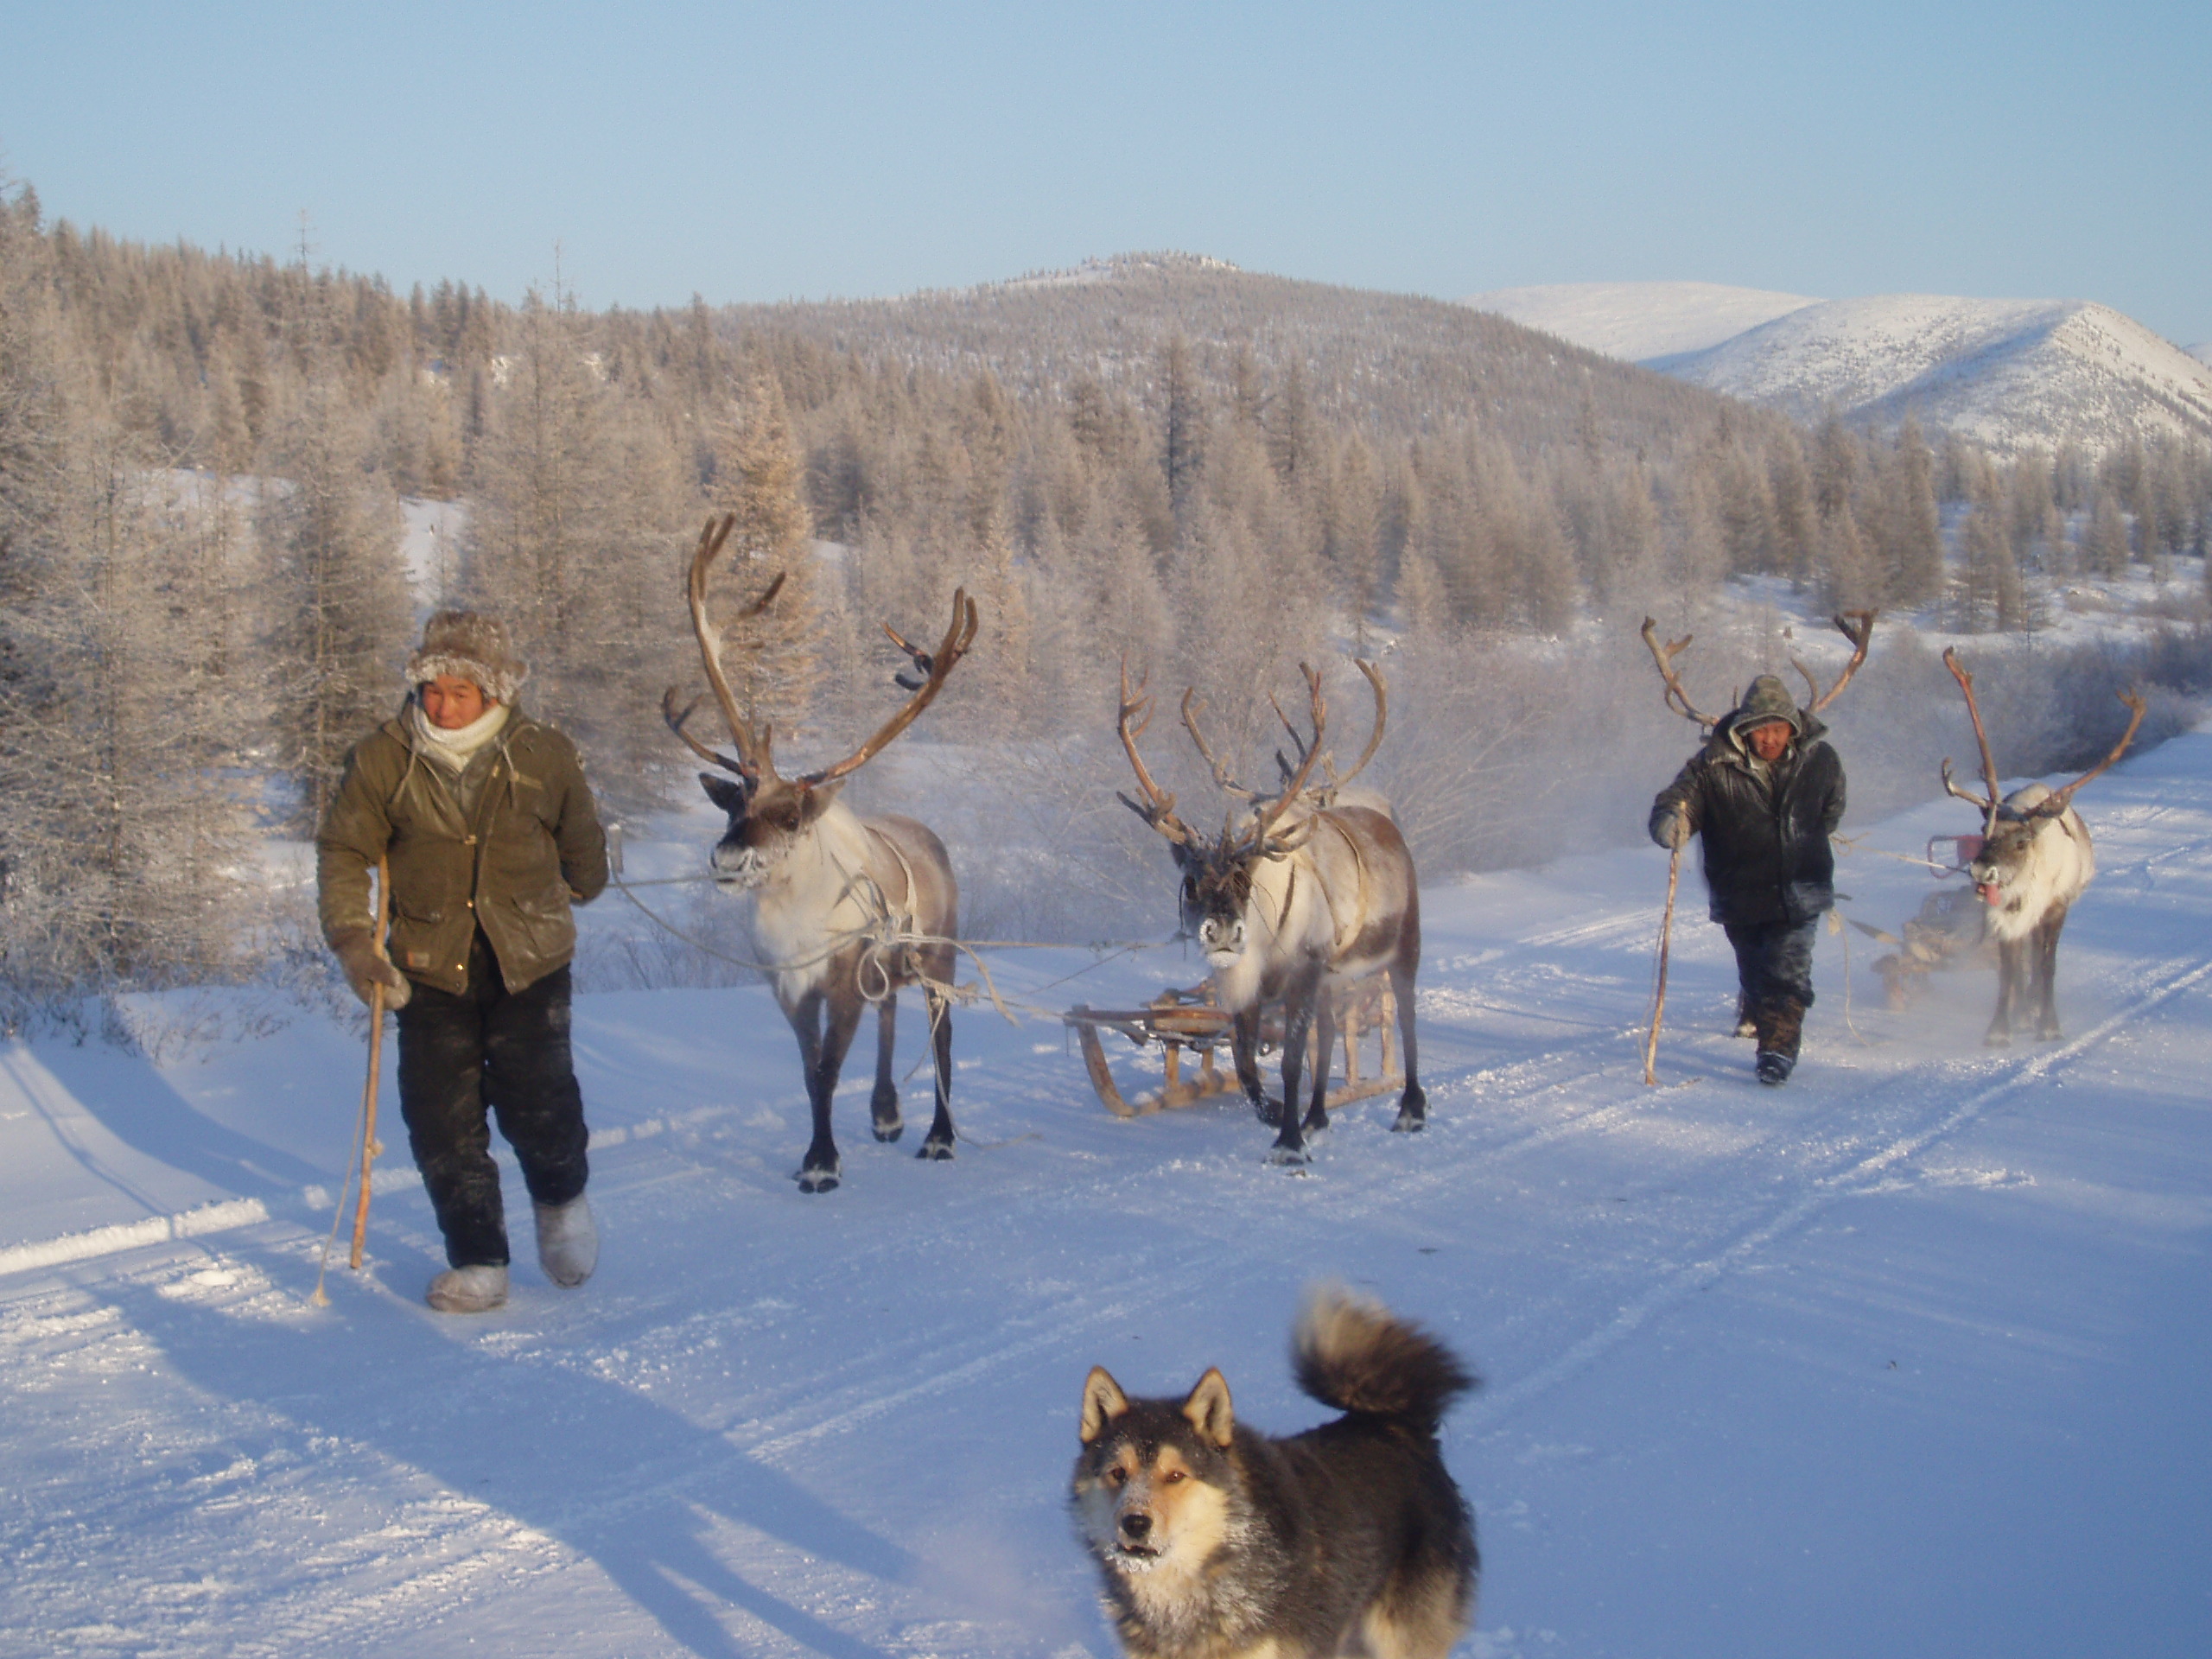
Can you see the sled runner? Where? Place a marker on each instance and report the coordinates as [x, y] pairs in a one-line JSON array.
[[1177, 1021]]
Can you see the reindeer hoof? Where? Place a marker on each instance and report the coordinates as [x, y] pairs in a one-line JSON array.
[[935, 1151], [2050, 1034], [889, 1131], [817, 1181], [1409, 1124], [1289, 1157], [1997, 1040], [1269, 1110]]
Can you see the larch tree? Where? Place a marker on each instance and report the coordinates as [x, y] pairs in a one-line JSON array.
[[341, 612], [773, 660]]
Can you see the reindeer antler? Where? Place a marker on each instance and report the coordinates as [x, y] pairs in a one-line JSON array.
[[1228, 784], [1988, 761], [1381, 688], [675, 717], [924, 664], [2057, 800], [1264, 821], [754, 753], [959, 635], [1858, 626], [1157, 809], [1676, 698]]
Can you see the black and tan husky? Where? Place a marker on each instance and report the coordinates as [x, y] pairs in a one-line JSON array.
[[1215, 1542]]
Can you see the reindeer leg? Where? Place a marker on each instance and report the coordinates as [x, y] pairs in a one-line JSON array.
[[1297, 1016], [1325, 1039], [883, 1104], [1413, 1100], [2047, 1025], [805, 1017], [1244, 1051], [2012, 957], [819, 1173], [936, 1146]]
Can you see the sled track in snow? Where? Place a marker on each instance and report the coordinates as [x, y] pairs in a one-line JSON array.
[[1854, 1176]]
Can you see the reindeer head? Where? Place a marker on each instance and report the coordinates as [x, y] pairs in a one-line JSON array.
[[769, 814], [767, 818], [1218, 873]]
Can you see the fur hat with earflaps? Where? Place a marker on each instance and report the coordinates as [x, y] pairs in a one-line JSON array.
[[472, 646]]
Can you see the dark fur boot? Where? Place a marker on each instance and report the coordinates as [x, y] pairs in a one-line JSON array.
[[1781, 1029]]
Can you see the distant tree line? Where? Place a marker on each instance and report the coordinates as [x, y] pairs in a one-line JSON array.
[[203, 601]]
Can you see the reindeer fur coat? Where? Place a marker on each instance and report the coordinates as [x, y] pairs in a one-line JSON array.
[[1764, 828]]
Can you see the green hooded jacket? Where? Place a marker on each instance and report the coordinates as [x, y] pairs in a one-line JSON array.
[[535, 843]]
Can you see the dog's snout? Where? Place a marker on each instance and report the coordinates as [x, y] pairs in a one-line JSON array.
[[1136, 1526]]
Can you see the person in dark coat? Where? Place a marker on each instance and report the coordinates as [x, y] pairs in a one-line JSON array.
[[1766, 793], [491, 834]]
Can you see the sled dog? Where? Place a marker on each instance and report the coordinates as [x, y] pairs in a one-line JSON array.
[[1215, 1542]]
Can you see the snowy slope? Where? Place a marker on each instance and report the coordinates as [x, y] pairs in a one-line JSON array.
[[1906, 1358], [2202, 351], [429, 545], [1636, 322], [2011, 373]]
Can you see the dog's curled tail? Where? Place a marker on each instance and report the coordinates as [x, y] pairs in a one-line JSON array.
[[1351, 1352]]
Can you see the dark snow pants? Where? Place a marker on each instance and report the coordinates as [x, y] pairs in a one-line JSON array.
[[506, 1050], [1774, 964]]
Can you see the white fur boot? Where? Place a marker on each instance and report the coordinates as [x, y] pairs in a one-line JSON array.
[[468, 1290], [568, 1242]]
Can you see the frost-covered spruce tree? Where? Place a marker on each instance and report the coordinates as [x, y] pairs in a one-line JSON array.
[[127, 741], [340, 612], [33, 462], [576, 543], [773, 660]]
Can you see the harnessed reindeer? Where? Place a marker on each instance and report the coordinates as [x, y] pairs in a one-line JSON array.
[[1307, 894], [2035, 860], [826, 882]]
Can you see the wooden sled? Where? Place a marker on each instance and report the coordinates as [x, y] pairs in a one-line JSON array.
[[1180, 1021]]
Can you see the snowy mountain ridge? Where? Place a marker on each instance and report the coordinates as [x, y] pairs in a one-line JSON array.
[[2010, 374], [1638, 321]]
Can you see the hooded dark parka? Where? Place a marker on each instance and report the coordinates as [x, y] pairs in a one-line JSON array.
[[534, 841], [1764, 828]]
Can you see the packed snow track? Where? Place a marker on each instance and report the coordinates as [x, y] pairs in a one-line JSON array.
[[1904, 1358]]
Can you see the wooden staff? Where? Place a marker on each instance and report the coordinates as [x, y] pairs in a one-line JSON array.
[[1659, 998], [370, 1145]]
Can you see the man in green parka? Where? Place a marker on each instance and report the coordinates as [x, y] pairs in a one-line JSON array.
[[491, 834]]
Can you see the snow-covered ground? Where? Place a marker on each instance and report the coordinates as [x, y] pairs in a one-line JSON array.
[[1908, 1358]]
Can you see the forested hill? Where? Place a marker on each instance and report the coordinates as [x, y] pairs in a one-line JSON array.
[[1163, 459], [1397, 366]]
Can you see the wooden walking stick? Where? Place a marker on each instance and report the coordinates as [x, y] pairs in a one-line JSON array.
[[370, 1145], [1659, 997]]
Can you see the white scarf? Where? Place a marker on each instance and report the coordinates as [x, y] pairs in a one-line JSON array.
[[454, 750]]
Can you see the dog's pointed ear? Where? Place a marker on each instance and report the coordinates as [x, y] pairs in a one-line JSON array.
[[1102, 1401], [1208, 1409]]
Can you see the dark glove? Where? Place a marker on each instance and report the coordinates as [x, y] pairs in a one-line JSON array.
[[365, 969], [1675, 831]]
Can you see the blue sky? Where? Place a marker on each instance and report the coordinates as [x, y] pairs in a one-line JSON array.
[[750, 153]]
